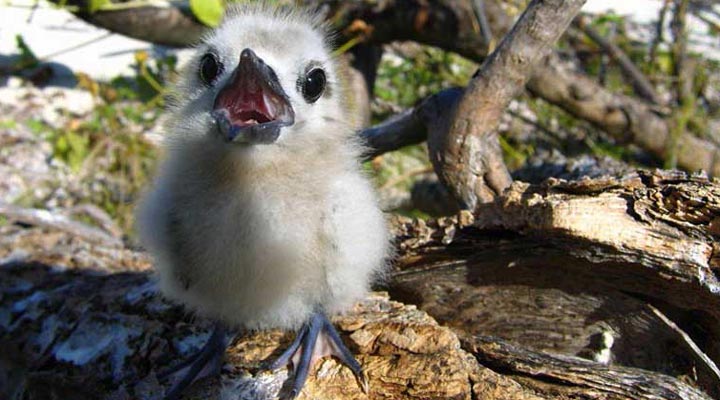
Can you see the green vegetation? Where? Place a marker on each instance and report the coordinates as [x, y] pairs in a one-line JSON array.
[[209, 12], [415, 72], [106, 151]]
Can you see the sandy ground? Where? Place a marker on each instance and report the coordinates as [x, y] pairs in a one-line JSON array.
[[49, 31]]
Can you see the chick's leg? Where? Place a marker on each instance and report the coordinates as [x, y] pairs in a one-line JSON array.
[[317, 338], [204, 363]]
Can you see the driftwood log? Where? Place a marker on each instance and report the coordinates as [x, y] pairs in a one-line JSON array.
[[535, 297]]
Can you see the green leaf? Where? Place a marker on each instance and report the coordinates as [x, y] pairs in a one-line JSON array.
[[209, 12], [28, 59], [61, 146], [94, 5], [78, 148]]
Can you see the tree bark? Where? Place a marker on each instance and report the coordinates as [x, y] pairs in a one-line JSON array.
[[573, 268], [569, 299], [467, 157], [635, 77]]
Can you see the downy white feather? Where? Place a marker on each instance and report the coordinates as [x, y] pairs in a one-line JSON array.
[[260, 236]]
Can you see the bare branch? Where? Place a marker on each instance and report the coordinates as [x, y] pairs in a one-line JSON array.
[[412, 125], [683, 72], [625, 118], [659, 34], [46, 218], [642, 85], [695, 349], [484, 25], [167, 25], [468, 158]]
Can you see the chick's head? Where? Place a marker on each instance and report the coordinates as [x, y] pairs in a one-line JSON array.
[[264, 79]]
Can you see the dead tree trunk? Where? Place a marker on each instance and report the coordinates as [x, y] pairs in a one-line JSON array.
[[596, 289], [593, 268]]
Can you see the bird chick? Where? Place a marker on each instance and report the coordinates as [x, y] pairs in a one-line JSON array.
[[260, 216]]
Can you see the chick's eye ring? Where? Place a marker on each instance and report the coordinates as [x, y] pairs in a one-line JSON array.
[[312, 85], [210, 68]]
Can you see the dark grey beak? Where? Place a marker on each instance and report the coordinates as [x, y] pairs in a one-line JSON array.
[[252, 107]]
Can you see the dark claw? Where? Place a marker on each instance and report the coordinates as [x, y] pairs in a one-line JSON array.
[[305, 343], [209, 356], [344, 354], [308, 346]]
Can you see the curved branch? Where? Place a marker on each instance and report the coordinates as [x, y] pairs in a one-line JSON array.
[[640, 83], [468, 158], [412, 125]]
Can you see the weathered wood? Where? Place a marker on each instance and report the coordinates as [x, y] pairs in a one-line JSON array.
[[167, 25], [412, 125], [83, 320], [567, 377], [564, 265], [467, 156], [81, 334]]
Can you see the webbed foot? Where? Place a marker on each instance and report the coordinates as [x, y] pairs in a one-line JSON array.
[[316, 339], [207, 362]]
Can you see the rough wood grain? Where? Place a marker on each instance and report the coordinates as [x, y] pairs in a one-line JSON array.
[[567, 377], [83, 320], [74, 328], [570, 267]]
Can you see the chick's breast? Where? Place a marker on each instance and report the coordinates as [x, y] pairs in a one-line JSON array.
[[269, 252]]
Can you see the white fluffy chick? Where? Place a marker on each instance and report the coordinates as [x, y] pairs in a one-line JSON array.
[[260, 216]]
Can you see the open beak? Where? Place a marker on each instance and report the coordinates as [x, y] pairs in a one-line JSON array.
[[252, 107]]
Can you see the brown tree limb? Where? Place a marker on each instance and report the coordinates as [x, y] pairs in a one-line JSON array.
[[659, 35], [449, 25], [483, 24], [640, 83], [683, 72], [467, 158], [169, 25], [412, 125], [625, 118]]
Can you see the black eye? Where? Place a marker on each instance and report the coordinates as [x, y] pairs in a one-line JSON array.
[[210, 68], [312, 85]]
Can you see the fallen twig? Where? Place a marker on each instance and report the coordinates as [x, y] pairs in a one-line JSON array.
[[642, 85], [34, 216]]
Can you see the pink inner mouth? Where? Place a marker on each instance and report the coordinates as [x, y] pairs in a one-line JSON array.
[[246, 106], [249, 102]]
